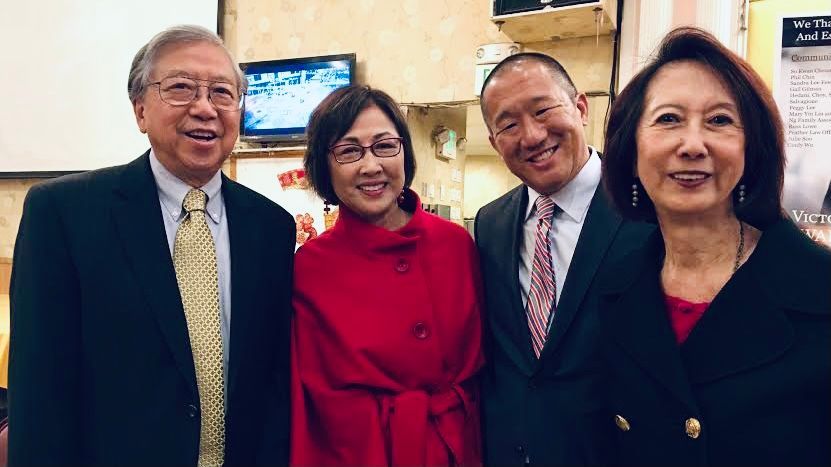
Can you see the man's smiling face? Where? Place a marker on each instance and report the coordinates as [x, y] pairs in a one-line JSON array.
[[536, 126]]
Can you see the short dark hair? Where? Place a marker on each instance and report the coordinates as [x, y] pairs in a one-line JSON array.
[[558, 72], [333, 117], [764, 152]]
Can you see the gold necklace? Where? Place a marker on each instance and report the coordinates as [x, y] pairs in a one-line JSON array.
[[740, 249]]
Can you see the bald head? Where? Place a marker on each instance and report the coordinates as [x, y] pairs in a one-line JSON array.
[[518, 62]]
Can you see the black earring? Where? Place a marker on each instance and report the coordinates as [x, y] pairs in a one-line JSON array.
[[742, 193], [635, 194]]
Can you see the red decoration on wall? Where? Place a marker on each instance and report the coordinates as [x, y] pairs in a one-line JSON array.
[[294, 179], [305, 227]]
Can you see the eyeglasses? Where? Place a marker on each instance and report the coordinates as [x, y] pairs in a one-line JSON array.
[[179, 90], [347, 153]]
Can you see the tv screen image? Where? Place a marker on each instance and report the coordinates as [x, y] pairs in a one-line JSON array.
[[283, 93]]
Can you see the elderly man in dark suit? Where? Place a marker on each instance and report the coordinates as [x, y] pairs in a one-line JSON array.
[[541, 246], [150, 302]]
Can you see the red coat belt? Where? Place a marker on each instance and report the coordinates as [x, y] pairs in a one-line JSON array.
[[407, 416]]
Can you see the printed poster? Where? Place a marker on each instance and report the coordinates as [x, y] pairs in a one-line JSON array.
[[802, 88]]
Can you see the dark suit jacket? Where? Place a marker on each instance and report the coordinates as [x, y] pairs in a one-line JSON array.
[[544, 412], [755, 371], [100, 368]]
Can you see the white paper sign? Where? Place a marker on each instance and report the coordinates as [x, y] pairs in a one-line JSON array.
[[802, 89]]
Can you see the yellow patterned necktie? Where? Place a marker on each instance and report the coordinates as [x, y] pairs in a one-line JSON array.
[[194, 258]]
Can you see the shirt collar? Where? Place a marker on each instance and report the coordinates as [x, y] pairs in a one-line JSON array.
[[172, 191], [574, 198]]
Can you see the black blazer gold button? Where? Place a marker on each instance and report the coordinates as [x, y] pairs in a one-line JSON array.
[[693, 428], [622, 423]]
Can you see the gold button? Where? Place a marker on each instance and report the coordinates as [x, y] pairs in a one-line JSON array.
[[693, 427], [622, 423]]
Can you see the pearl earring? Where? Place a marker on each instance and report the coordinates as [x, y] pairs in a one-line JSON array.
[[741, 193], [634, 195]]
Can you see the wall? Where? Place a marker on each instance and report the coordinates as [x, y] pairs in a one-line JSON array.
[[417, 50], [429, 168], [486, 179], [12, 193]]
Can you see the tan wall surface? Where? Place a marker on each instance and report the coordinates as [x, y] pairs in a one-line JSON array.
[[486, 178], [430, 169], [12, 194], [5, 274], [417, 50]]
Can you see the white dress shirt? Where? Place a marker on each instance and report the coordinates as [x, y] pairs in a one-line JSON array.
[[172, 192], [573, 200]]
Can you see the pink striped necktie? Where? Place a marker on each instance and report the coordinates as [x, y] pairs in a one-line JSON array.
[[541, 296]]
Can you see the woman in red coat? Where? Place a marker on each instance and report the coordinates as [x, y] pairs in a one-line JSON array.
[[386, 338]]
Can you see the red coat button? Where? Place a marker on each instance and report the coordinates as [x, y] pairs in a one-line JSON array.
[[421, 331], [402, 265]]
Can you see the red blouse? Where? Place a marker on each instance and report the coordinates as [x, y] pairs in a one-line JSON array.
[[386, 342], [683, 315]]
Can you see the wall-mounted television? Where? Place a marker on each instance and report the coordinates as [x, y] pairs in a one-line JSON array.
[[283, 93]]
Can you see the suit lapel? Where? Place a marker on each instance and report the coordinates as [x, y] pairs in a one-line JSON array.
[[138, 220], [510, 326], [596, 237], [245, 234], [641, 328], [743, 327]]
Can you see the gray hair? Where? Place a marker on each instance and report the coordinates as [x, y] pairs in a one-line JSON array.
[[146, 57]]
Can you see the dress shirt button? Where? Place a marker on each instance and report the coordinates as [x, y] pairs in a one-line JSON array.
[[693, 428], [192, 411], [421, 331], [622, 423], [402, 265], [686, 309]]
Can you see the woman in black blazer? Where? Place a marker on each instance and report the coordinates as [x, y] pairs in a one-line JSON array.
[[719, 327]]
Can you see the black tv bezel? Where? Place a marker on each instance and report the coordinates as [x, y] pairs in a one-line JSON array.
[[300, 134]]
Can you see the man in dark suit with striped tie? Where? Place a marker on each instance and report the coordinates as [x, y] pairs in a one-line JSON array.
[[541, 245]]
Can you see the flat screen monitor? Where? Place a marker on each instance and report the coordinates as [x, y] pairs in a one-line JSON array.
[[283, 93]]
